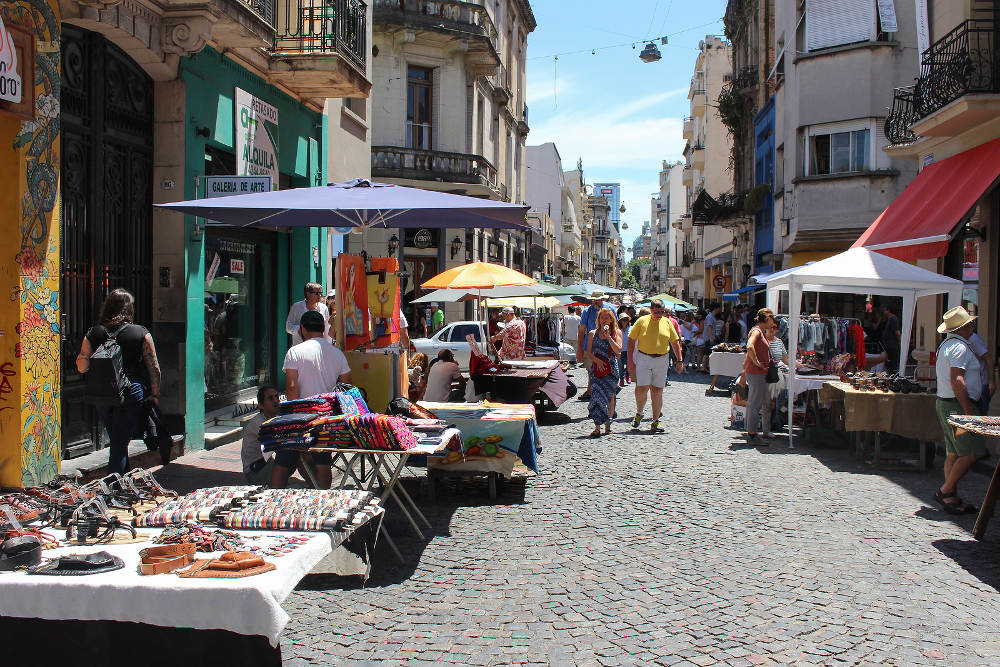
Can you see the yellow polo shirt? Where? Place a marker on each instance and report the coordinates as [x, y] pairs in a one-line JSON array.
[[653, 337]]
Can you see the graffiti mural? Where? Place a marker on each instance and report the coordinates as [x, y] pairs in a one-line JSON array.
[[36, 297]]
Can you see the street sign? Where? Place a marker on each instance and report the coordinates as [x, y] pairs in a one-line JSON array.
[[719, 281], [224, 186]]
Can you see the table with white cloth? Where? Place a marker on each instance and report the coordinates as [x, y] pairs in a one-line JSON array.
[[249, 607], [726, 364]]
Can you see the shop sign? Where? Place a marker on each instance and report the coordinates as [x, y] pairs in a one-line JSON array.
[[423, 238], [256, 136], [236, 267], [10, 75], [224, 186]]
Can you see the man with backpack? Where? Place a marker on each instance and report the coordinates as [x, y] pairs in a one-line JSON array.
[[121, 371]]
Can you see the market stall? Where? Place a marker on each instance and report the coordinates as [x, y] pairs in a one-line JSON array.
[[988, 426], [875, 411], [863, 271], [200, 562], [724, 364], [495, 439]]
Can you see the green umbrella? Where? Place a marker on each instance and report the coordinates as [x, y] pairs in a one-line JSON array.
[[672, 300]]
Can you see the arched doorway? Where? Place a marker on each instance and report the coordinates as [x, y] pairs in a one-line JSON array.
[[107, 171]]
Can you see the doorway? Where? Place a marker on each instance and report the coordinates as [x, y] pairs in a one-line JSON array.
[[417, 270]]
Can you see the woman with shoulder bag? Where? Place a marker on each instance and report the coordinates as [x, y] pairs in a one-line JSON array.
[[142, 372], [604, 346], [755, 368]]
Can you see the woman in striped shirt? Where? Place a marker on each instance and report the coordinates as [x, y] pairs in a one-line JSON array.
[[778, 355]]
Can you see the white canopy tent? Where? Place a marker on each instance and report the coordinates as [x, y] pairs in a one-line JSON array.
[[858, 271]]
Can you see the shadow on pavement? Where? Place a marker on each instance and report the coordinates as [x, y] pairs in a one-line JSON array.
[[184, 478], [980, 559]]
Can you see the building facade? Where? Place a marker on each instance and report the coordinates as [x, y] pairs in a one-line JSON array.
[[833, 63], [548, 193], [950, 119], [449, 114], [708, 247]]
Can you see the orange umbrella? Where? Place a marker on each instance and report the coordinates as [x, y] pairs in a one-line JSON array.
[[478, 275]]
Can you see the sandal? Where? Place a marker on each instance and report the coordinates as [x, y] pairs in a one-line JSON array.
[[954, 507], [596, 433]]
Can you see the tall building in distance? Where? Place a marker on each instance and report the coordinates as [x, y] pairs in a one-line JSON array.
[[642, 246], [613, 193]]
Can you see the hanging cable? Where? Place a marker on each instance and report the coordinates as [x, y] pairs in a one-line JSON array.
[[631, 43]]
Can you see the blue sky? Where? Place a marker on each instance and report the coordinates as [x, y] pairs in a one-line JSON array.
[[622, 116]]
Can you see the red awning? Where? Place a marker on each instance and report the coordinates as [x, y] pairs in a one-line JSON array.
[[919, 222]]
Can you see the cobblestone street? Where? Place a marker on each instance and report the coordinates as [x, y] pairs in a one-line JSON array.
[[678, 549]]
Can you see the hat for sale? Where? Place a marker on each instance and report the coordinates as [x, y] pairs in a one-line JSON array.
[[955, 319], [312, 320]]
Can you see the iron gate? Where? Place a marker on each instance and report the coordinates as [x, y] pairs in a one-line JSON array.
[[107, 167]]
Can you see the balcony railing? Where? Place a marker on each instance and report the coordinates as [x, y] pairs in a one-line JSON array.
[[963, 61], [501, 85], [321, 26], [447, 14], [901, 116], [262, 8], [746, 79], [394, 162]]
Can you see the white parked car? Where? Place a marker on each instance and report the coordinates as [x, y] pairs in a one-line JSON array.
[[452, 337]]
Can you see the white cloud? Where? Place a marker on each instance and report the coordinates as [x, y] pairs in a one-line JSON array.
[[540, 89]]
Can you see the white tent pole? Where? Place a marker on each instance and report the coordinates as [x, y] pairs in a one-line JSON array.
[[909, 306], [794, 306]]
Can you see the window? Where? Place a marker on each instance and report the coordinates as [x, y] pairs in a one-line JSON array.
[[419, 88], [460, 331], [357, 106], [837, 22], [839, 152]]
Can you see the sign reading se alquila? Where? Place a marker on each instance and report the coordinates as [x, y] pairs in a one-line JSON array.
[[256, 137]]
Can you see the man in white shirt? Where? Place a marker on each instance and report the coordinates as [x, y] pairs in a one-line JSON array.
[[313, 301], [571, 326], [312, 367], [959, 386], [440, 375]]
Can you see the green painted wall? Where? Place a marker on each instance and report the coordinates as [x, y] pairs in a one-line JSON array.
[[211, 81]]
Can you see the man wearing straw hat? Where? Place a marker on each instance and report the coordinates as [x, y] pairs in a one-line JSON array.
[[959, 386]]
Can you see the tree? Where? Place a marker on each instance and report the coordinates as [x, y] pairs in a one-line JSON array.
[[634, 267], [627, 280]]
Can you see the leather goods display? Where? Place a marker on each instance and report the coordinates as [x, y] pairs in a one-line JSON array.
[[20, 551], [166, 558], [79, 564], [231, 565]]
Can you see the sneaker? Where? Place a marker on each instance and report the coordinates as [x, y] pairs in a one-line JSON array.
[[636, 421], [655, 427]]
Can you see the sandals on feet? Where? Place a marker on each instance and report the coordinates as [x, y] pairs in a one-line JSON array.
[[596, 433], [957, 506]]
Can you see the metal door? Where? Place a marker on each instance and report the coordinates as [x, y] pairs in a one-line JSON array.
[[107, 167]]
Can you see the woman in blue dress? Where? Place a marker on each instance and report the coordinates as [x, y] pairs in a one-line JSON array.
[[604, 346]]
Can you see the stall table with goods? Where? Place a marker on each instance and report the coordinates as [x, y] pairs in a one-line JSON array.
[[874, 404], [543, 384], [198, 575], [726, 360], [367, 451], [988, 426], [496, 438]]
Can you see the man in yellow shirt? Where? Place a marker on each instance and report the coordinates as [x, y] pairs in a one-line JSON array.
[[649, 342]]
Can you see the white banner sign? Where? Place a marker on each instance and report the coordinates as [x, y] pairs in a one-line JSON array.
[[887, 15], [256, 137], [923, 30], [10, 78], [224, 186]]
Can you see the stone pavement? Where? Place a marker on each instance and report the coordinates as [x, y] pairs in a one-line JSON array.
[[678, 549]]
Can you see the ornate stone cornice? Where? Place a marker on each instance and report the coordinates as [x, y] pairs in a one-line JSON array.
[[186, 36]]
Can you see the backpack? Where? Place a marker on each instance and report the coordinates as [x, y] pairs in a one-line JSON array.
[[105, 379]]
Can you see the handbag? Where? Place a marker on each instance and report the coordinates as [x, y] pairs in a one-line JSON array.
[[772, 373], [607, 361]]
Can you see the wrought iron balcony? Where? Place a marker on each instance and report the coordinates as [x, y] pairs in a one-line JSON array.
[[963, 61], [501, 86], [462, 20], [264, 9], [688, 127], [322, 26], [746, 79], [602, 233], [901, 116], [422, 165], [522, 122]]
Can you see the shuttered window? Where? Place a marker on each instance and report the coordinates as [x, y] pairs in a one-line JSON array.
[[836, 22]]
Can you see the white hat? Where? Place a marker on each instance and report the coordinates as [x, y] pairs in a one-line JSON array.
[[954, 319], [597, 294], [508, 310], [331, 293]]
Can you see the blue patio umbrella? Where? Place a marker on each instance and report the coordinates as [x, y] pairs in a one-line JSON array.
[[356, 203]]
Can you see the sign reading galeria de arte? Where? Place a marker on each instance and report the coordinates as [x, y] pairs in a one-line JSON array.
[[256, 137]]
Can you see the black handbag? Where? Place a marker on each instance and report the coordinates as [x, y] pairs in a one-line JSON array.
[[772, 373]]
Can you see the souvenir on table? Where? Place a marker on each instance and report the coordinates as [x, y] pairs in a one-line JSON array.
[[352, 301], [383, 299]]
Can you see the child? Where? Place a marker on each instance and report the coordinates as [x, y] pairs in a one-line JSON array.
[[625, 324]]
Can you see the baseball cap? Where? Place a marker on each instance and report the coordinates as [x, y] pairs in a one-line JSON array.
[[312, 320]]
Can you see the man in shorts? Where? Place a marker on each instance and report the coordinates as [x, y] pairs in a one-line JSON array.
[[650, 340], [959, 386]]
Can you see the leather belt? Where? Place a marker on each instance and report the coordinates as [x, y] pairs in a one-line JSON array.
[[166, 558], [654, 355]]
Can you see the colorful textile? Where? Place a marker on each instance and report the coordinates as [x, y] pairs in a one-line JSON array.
[[512, 340], [318, 404]]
